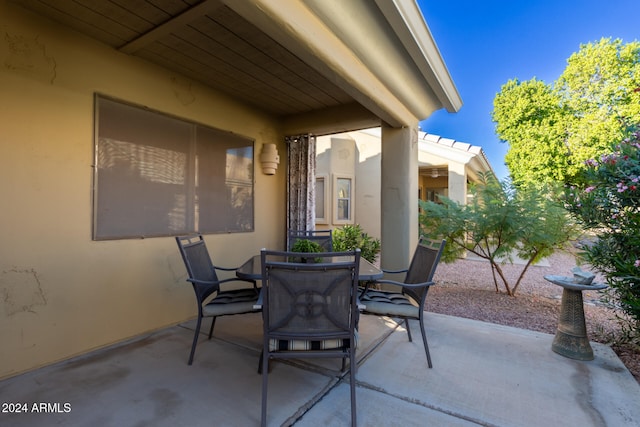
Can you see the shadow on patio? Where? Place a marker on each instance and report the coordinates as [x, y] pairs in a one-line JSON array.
[[483, 374]]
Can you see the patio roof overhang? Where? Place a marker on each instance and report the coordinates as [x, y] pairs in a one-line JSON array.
[[317, 66], [433, 148]]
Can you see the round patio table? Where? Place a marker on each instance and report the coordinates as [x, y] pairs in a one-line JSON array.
[[571, 336]]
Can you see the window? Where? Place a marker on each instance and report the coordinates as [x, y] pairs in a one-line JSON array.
[[343, 197], [157, 175], [321, 200]]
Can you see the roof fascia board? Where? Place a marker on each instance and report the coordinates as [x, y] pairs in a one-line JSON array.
[[409, 24], [301, 30], [362, 26]]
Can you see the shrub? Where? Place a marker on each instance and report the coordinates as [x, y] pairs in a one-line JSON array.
[[608, 205], [501, 220], [351, 237]]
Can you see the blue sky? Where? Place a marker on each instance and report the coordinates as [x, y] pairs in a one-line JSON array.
[[486, 43]]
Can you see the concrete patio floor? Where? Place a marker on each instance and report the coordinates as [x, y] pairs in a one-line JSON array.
[[483, 375]]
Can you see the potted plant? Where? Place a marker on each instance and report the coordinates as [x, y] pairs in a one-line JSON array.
[[305, 246]]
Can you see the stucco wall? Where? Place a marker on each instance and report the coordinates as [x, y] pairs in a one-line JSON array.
[[368, 171], [62, 294], [355, 154]]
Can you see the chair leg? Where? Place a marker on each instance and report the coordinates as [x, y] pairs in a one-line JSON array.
[[265, 376], [213, 322], [195, 340], [260, 364], [352, 384], [424, 340], [406, 324]]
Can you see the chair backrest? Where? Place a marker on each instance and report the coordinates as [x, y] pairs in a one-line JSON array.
[[422, 268], [322, 237], [309, 300], [199, 265]]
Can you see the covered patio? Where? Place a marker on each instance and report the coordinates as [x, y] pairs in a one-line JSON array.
[[259, 70], [484, 375], [97, 332]]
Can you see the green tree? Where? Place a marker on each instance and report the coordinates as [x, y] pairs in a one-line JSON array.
[[553, 129], [500, 221], [530, 116]]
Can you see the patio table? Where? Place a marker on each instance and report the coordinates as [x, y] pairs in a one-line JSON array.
[[252, 270]]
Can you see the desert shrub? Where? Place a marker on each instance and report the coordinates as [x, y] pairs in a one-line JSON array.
[[500, 221], [607, 205], [350, 237]]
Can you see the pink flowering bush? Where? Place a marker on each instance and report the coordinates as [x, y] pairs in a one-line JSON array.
[[608, 204]]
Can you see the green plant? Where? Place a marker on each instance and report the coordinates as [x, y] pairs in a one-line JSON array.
[[306, 246], [351, 237], [608, 204], [500, 221], [553, 128]]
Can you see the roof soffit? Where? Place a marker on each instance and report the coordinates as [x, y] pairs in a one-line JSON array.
[[305, 58], [366, 31], [410, 27], [306, 34]]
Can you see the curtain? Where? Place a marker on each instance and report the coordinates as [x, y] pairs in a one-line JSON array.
[[301, 179]]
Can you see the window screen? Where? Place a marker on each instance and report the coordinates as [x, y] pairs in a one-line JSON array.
[[158, 175]]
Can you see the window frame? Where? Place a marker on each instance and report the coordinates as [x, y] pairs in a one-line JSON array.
[[336, 199], [324, 219], [197, 151]]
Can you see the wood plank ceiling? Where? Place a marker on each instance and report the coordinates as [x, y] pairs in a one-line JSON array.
[[205, 41]]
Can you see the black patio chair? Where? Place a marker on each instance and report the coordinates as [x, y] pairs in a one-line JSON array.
[[309, 310], [324, 238], [205, 281], [406, 299]]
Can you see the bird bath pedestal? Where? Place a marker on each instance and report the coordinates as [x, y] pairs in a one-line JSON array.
[[571, 336]]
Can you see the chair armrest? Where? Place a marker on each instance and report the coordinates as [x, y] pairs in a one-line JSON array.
[[406, 285], [395, 271], [204, 282], [217, 267], [236, 279], [219, 282]]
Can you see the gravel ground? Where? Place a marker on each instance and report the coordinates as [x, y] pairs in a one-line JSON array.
[[465, 288]]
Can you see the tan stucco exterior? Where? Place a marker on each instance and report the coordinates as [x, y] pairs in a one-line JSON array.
[[360, 153], [63, 294]]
